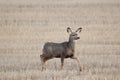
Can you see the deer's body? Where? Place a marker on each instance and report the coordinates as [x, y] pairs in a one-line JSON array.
[[57, 50], [60, 50]]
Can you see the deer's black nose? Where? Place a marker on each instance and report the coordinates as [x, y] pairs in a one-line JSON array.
[[78, 37]]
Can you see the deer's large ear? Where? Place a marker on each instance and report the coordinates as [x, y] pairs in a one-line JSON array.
[[69, 30], [79, 30]]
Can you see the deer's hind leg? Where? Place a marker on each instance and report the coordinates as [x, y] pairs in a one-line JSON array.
[[44, 58], [42, 62]]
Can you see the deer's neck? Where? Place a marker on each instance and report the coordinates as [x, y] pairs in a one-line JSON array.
[[71, 44]]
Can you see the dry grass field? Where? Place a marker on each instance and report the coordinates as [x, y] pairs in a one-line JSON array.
[[25, 26]]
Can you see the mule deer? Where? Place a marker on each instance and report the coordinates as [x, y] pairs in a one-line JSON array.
[[61, 50]]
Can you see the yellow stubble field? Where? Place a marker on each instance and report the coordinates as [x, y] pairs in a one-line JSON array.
[[24, 28]]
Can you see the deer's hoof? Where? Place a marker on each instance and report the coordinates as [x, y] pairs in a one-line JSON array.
[[80, 69]]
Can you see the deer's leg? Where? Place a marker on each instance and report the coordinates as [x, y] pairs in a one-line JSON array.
[[75, 58], [42, 62], [43, 65], [62, 62]]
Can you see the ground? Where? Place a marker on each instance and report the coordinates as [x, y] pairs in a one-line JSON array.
[[26, 25]]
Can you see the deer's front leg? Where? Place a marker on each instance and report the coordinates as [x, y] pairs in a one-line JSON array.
[[80, 66]]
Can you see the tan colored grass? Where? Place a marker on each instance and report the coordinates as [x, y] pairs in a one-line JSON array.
[[24, 28]]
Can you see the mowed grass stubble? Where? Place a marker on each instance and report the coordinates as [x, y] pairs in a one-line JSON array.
[[25, 28]]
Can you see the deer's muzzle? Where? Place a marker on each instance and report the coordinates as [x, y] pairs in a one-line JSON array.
[[77, 38]]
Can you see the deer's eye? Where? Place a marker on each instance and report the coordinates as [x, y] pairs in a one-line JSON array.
[[74, 34]]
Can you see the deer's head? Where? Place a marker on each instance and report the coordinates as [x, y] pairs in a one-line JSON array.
[[74, 35]]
